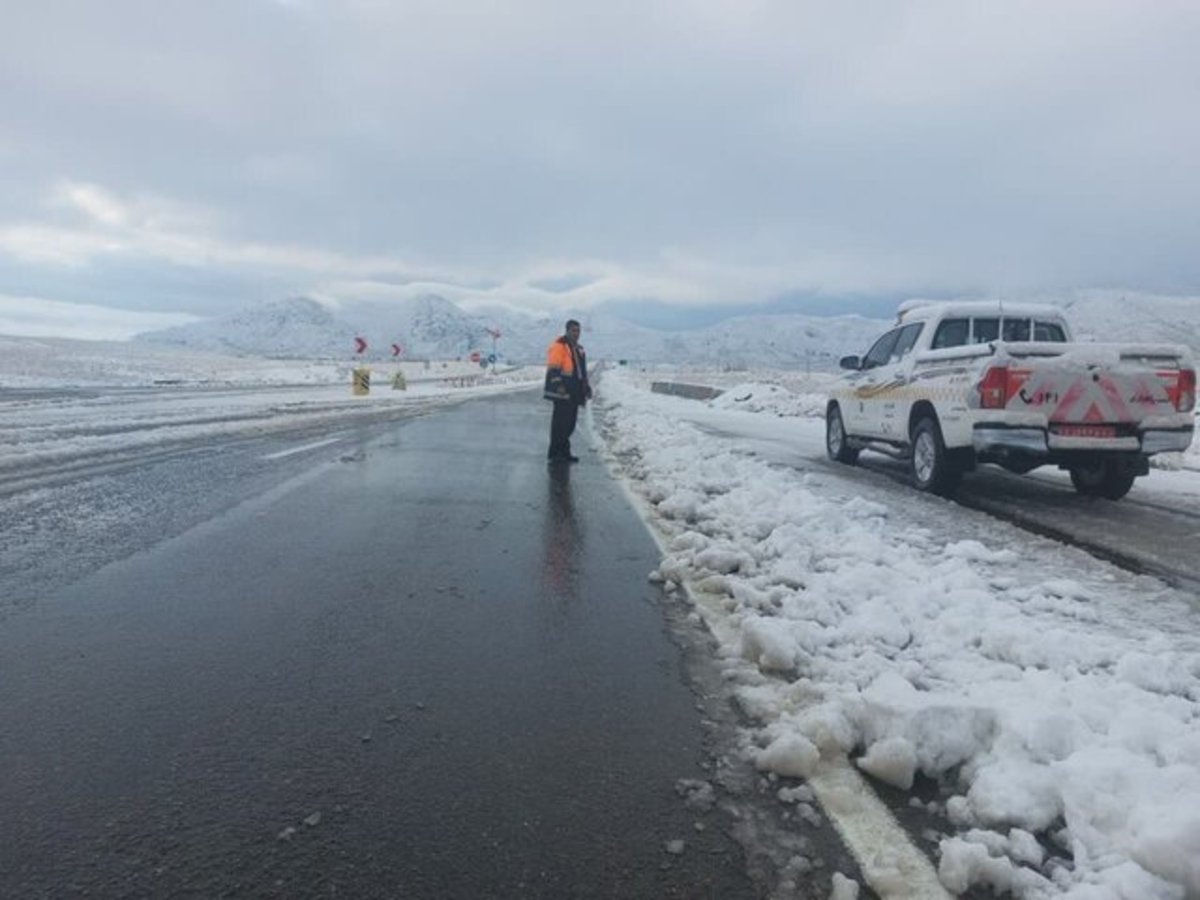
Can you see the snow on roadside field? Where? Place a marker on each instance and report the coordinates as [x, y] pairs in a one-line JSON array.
[[63, 399], [775, 399], [41, 430], [41, 363], [1060, 697]]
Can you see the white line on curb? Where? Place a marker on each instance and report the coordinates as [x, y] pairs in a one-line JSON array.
[[891, 865]]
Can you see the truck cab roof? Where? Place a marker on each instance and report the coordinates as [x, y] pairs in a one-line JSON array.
[[923, 310]]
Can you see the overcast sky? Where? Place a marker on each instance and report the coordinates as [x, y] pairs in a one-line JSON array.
[[166, 159]]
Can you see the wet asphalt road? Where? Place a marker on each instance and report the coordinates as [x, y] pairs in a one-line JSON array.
[[430, 667]]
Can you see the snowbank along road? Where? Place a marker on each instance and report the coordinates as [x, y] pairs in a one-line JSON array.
[[1039, 701]]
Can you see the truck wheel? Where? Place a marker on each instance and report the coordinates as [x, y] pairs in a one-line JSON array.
[[1102, 479], [836, 443], [933, 469]]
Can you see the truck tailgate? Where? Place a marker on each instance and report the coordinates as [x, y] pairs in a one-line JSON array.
[[1100, 391]]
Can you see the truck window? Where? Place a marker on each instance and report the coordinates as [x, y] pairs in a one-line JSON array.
[[1016, 329], [1049, 331], [951, 333], [905, 341], [881, 350], [985, 331]]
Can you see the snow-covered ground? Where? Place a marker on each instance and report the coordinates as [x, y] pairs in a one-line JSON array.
[[63, 399], [37, 363], [1057, 697]]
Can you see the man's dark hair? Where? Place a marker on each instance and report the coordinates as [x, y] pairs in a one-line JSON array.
[[571, 322]]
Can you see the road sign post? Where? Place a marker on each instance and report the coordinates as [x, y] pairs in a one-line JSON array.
[[495, 333]]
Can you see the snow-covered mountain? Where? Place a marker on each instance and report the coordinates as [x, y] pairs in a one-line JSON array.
[[778, 341], [1124, 316], [426, 327], [431, 327], [292, 328]]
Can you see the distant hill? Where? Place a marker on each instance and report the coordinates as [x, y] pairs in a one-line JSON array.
[[1121, 315], [431, 327], [425, 326], [781, 341], [295, 328]]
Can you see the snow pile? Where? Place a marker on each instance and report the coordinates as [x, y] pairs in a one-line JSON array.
[[776, 399], [1056, 698]]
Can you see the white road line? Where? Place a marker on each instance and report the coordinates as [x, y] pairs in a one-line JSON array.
[[892, 865], [282, 453]]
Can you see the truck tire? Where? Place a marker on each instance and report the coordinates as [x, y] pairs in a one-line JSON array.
[[934, 470], [837, 445], [1103, 478]]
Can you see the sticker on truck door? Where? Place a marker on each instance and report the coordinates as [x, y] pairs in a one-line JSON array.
[[871, 391]]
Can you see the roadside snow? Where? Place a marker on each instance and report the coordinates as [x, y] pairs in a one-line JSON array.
[[61, 399], [758, 397], [45, 363], [42, 430], [1059, 696]]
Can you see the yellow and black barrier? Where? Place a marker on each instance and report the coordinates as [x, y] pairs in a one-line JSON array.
[[362, 382]]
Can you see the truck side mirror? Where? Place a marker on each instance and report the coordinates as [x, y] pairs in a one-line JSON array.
[[850, 362]]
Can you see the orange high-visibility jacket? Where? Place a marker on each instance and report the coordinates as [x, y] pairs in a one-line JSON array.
[[560, 357], [566, 372]]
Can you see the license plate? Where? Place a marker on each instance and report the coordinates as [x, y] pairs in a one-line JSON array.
[[1086, 431]]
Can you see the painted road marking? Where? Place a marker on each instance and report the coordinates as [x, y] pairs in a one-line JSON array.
[[282, 453], [891, 865]]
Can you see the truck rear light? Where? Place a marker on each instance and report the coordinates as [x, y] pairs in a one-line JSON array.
[[1185, 400], [993, 388]]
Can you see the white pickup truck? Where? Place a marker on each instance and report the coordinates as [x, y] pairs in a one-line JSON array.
[[953, 385]]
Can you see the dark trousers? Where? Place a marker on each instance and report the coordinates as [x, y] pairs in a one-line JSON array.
[[562, 425]]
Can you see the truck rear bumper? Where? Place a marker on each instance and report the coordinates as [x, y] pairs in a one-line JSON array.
[[992, 438], [1163, 440], [1003, 439]]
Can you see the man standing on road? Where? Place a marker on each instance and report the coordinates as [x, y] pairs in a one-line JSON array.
[[567, 385]]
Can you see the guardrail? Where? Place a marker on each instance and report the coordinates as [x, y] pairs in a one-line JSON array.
[[691, 391]]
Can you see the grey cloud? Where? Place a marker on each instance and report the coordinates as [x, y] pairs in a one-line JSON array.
[[562, 284], [147, 285], [889, 147]]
